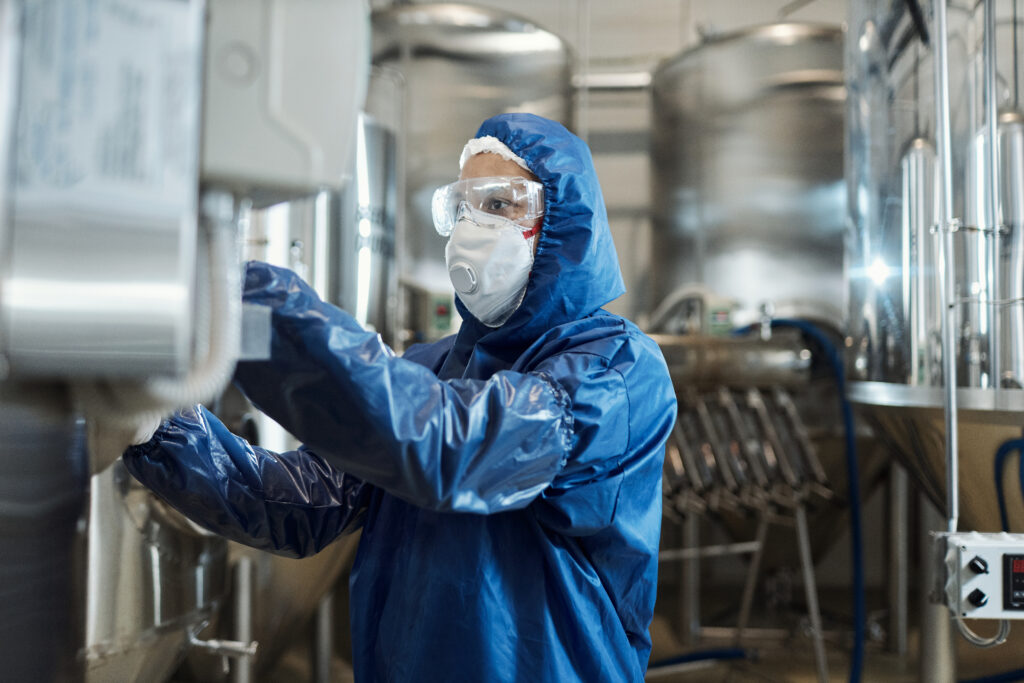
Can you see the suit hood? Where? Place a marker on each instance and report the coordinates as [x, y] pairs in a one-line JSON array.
[[576, 269]]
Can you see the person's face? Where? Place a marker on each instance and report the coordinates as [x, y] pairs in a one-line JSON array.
[[487, 165]]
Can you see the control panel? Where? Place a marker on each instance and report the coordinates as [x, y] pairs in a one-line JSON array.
[[984, 574]]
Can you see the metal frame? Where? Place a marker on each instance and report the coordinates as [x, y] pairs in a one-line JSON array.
[[692, 554]]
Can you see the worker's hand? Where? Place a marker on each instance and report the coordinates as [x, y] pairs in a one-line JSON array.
[[145, 430], [107, 442]]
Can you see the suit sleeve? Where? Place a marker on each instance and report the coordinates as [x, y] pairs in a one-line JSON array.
[[449, 445], [290, 503]]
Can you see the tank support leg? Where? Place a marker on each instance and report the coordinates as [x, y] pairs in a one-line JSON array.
[[811, 589]]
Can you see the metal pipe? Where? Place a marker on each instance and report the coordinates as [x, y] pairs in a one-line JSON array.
[[898, 560], [992, 186], [242, 667], [710, 551], [583, 52], [751, 582], [937, 663], [1011, 163], [324, 639], [946, 265], [811, 591], [691, 583]]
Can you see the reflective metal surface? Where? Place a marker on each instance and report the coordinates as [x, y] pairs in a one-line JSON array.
[[893, 281], [703, 361], [461, 64], [363, 218], [43, 481], [342, 243], [910, 421], [152, 578], [747, 171], [895, 249], [285, 597], [10, 55], [102, 248]]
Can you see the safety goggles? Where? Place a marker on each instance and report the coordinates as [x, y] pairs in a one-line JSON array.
[[515, 199]]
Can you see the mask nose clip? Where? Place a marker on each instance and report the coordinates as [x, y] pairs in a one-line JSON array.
[[463, 278]]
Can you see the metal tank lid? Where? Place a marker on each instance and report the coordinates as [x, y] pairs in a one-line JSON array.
[[433, 26], [784, 33]]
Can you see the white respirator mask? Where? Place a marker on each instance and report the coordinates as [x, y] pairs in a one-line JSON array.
[[489, 262]]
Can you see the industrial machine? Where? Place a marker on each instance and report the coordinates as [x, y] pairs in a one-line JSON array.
[[127, 134]]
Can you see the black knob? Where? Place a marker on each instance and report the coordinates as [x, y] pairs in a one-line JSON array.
[[978, 565], [977, 598]]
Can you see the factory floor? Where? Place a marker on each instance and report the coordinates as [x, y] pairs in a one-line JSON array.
[[791, 660], [787, 660]]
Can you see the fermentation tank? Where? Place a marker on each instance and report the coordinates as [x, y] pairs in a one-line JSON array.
[[749, 203], [896, 249], [747, 172], [460, 64]]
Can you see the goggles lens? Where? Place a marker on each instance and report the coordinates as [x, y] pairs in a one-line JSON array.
[[515, 199]]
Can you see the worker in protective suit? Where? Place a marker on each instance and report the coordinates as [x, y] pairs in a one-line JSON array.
[[507, 479]]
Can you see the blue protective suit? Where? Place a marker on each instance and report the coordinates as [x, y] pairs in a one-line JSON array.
[[507, 481]]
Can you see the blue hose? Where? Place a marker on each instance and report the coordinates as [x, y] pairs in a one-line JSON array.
[[1002, 454], [1016, 675], [704, 655], [853, 487]]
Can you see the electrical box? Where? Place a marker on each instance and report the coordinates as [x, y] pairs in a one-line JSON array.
[[984, 574], [285, 81]]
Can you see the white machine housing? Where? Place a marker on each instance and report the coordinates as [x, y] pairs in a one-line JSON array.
[[984, 574], [286, 80]]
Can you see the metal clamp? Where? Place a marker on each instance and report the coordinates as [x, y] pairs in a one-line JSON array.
[[233, 649], [952, 227]]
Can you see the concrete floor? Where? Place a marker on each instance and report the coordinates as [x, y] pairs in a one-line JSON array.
[[790, 660]]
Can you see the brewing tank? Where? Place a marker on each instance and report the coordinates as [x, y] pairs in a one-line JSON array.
[[747, 171], [460, 64], [895, 267]]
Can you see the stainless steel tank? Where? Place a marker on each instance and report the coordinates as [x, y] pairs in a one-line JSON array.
[[894, 267], [748, 207], [461, 64], [747, 171]]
